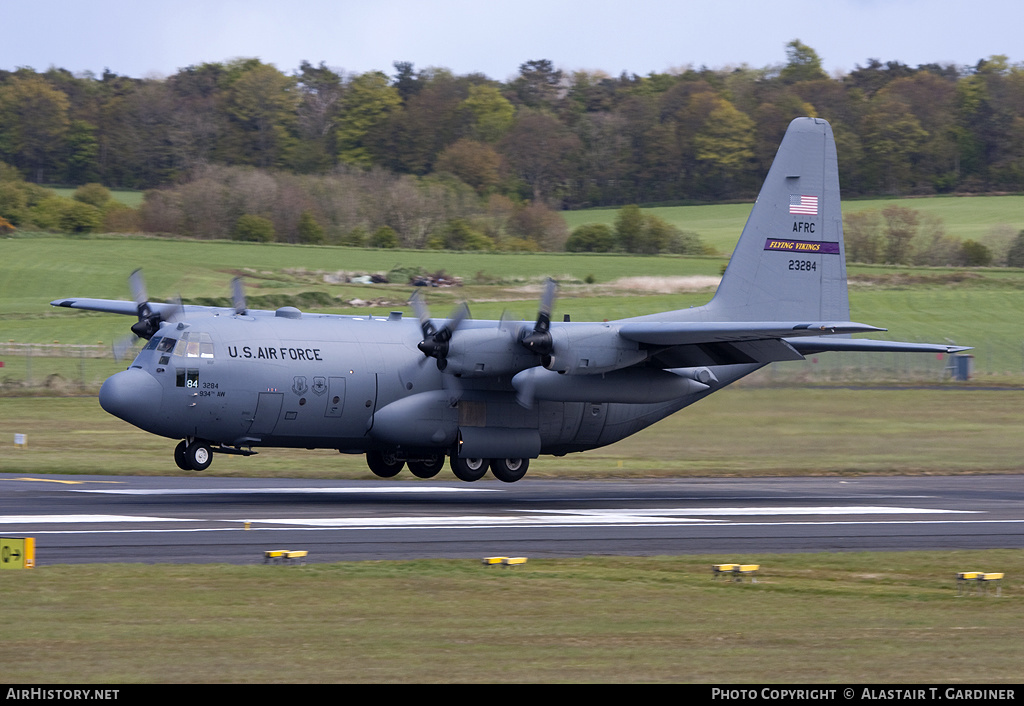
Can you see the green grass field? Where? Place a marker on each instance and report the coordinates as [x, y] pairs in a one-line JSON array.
[[858, 618], [746, 430], [719, 225], [979, 308]]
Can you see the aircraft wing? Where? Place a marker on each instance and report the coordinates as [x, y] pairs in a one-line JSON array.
[[822, 344], [109, 306], [129, 308]]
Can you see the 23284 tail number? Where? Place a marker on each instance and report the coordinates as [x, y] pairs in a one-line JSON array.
[[803, 265]]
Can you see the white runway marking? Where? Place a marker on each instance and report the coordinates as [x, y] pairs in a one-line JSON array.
[[723, 511], [529, 518], [82, 519], [591, 518], [308, 528], [539, 520]]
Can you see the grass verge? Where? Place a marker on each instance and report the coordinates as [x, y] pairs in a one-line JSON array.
[[810, 618], [744, 430]]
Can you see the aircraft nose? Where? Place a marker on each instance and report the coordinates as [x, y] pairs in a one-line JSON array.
[[133, 395]]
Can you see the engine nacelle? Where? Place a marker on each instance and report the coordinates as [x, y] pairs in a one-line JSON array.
[[586, 349], [487, 352]]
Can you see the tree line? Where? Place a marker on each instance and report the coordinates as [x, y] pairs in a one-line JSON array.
[[899, 235], [570, 139], [429, 158]]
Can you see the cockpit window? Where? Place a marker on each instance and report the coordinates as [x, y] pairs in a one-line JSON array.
[[164, 345], [153, 343], [193, 344]]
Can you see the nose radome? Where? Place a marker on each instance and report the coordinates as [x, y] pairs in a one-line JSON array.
[[133, 395]]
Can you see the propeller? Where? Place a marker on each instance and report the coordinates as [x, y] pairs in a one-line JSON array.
[[435, 341], [149, 320], [539, 340]]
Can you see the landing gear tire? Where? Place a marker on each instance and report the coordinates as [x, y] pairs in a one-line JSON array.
[[509, 470], [384, 464], [198, 455], [468, 469], [427, 468], [180, 459]]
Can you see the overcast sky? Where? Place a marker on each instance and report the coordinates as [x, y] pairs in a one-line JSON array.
[[141, 38]]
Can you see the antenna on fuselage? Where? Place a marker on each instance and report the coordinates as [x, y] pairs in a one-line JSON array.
[[238, 296]]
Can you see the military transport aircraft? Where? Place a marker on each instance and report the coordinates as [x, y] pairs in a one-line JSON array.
[[497, 394]]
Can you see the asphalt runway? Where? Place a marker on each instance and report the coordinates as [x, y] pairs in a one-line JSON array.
[[202, 519]]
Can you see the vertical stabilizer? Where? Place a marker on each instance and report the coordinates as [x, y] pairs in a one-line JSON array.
[[790, 263]]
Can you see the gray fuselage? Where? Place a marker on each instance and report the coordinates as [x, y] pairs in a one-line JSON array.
[[354, 384]]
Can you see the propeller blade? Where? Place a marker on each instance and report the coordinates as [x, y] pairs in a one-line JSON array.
[[547, 303], [138, 286], [423, 314], [460, 314], [504, 323], [539, 340], [178, 312], [121, 347]]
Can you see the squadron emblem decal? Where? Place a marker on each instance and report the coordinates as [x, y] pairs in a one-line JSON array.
[[803, 246]]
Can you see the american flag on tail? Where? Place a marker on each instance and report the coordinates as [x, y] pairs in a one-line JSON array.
[[804, 205]]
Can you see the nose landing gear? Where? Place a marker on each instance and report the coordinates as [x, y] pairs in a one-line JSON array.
[[194, 456]]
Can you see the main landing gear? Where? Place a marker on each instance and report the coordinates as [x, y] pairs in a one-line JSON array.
[[468, 469], [509, 470], [387, 464]]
